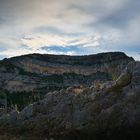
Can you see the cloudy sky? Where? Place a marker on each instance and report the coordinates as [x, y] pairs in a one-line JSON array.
[[73, 27]]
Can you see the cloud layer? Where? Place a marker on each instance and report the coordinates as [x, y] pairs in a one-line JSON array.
[[69, 27]]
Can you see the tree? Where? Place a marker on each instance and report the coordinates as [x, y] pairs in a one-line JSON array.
[[4, 92]]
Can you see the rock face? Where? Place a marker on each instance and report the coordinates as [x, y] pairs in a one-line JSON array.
[[110, 111], [85, 65], [28, 78], [36, 72]]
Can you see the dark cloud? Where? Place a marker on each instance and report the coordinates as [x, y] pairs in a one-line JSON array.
[[2, 47], [28, 38], [25, 47], [72, 23], [2, 20], [130, 47], [121, 17], [55, 30]]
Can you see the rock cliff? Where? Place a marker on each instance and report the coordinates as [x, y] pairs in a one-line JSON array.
[[106, 111], [36, 72]]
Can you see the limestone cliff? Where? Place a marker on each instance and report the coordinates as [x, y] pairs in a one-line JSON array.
[[36, 72], [110, 111]]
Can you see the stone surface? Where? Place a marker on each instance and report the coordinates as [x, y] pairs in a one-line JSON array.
[[36, 72], [110, 111]]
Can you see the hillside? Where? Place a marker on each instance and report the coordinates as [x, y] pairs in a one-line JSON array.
[[28, 78], [36, 71], [108, 111]]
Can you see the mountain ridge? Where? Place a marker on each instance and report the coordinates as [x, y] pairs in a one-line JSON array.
[[36, 74], [106, 111]]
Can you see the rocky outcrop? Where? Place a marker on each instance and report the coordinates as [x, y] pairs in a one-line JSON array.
[[109, 111], [85, 65], [36, 72]]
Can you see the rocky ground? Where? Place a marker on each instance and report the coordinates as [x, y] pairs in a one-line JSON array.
[[26, 79], [106, 111], [37, 72]]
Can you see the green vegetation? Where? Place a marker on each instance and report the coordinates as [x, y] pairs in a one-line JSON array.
[[7, 65], [18, 100]]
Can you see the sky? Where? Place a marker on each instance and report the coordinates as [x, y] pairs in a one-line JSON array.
[[70, 27]]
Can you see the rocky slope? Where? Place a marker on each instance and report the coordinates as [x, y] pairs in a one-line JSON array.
[[106, 111], [27, 78], [36, 72]]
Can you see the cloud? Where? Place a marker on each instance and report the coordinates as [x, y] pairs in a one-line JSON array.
[[2, 20], [121, 17], [71, 27], [49, 29], [2, 47], [55, 31], [2, 57]]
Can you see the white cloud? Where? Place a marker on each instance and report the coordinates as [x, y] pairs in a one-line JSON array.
[[93, 25]]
